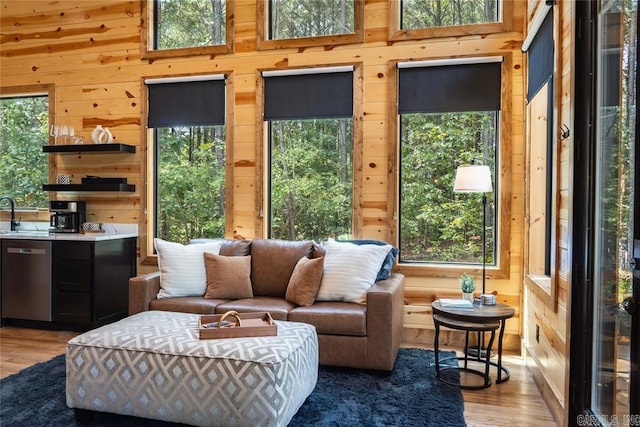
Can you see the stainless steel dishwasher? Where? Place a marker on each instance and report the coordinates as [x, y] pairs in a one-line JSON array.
[[26, 279]]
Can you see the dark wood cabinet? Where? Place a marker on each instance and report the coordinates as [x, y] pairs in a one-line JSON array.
[[91, 281]]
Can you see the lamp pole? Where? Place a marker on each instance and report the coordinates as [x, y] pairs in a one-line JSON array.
[[477, 179], [484, 242]]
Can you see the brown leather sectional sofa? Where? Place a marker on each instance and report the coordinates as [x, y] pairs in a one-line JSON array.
[[350, 335]]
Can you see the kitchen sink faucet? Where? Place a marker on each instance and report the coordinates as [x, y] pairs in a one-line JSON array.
[[12, 202]]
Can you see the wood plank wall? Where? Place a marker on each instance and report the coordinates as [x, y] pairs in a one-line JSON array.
[[90, 51], [549, 354]]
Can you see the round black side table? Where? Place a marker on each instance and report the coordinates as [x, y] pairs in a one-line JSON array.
[[480, 319]]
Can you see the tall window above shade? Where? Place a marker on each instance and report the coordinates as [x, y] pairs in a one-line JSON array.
[[310, 146], [416, 19], [449, 115], [186, 125], [186, 27], [300, 23], [446, 13]]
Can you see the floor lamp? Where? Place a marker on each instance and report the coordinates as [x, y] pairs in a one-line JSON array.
[[477, 179]]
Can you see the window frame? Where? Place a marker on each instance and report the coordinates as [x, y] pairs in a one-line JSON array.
[[147, 33], [502, 184], [37, 90], [148, 255], [544, 286], [396, 33], [264, 43], [262, 151]]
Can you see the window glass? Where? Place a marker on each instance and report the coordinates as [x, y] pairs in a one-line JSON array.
[[289, 19], [189, 157], [189, 23], [417, 14], [190, 182], [311, 178], [437, 225], [24, 123]]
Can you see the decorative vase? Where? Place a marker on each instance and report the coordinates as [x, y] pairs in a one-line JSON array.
[[106, 137], [96, 134], [467, 296]]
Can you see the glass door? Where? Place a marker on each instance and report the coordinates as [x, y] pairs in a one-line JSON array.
[[613, 389]]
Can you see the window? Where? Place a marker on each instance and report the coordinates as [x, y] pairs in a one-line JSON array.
[[414, 19], [187, 27], [300, 23], [24, 124], [449, 115], [186, 122], [446, 13], [310, 146], [541, 188]]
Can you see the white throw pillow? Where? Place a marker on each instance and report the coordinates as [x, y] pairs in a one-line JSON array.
[[182, 272], [350, 270]]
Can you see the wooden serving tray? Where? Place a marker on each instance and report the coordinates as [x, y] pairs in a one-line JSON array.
[[259, 324]]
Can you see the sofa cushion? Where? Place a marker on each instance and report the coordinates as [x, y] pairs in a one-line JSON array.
[[228, 277], [333, 318], [182, 271], [196, 305], [350, 270], [272, 263], [389, 260], [228, 247], [305, 281], [276, 306]]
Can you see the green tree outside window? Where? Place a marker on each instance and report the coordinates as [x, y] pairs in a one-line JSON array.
[[189, 23], [444, 13], [290, 19], [311, 178], [437, 225], [24, 123], [190, 182]]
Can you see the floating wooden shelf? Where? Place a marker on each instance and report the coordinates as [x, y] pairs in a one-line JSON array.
[[89, 148], [89, 187]]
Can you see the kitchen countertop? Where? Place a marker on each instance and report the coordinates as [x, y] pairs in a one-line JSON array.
[[39, 231]]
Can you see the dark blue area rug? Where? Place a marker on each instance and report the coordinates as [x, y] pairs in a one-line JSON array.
[[409, 396]]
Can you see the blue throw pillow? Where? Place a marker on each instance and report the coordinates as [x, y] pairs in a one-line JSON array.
[[387, 265]]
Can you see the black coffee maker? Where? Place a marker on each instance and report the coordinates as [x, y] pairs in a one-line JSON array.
[[66, 217]]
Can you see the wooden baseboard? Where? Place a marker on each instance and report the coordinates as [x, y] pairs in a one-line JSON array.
[[555, 406]]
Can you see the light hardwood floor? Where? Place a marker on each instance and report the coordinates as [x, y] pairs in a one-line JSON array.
[[516, 402]]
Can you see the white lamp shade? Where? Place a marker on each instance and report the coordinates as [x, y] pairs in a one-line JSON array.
[[473, 179]]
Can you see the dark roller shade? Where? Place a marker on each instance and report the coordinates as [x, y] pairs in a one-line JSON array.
[[540, 58], [450, 88], [198, 103], [306, 96]]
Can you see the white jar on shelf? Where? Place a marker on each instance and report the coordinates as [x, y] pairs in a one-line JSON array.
[[101, 135], [96, 133]]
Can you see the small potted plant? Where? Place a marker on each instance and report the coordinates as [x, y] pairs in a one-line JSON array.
[[467, 285]]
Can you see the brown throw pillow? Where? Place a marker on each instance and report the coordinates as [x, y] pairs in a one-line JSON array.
[[305, 281], [228, 277]]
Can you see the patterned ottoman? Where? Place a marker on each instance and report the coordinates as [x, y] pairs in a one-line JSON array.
[[153, 365]]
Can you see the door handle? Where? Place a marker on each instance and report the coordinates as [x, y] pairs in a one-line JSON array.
[[630, 305], [634, 263]]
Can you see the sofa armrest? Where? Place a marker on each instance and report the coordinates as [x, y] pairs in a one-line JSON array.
[[385, 317], [142, 290]]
